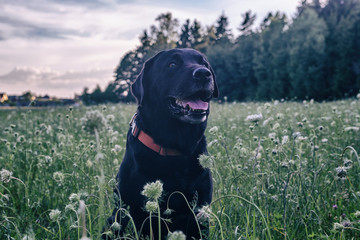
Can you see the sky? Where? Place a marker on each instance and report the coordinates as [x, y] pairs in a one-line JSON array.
[[58, 47]]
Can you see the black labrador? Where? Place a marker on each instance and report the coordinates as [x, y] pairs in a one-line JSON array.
[[164, 143]]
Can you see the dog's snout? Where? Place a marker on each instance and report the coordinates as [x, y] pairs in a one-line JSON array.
[[201, 73]]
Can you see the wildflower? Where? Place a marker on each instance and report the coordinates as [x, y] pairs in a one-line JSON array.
[[213, 130], [355, 129], [5, 175], [151, 206], [89, 163], [279, 115], [206, 161], [153, 190], [272, 136], [254, 117], [284, 140], [93, 120], [74, 197], [177, 235], [324, 140], [334, 206], [276, 126], [117, 148], [59, 177], [267, 121], [358, 96], [296, 134], [357, 214], [54, 215], [110, 117], [341, 172], [300, 124], [204, 214]]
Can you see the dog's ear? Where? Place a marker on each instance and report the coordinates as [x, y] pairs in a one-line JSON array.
[[216, 89], [137, 88]]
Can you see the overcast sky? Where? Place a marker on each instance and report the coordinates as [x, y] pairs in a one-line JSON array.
[[58, 47]]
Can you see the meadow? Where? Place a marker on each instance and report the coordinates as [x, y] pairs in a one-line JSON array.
[[281, 170]]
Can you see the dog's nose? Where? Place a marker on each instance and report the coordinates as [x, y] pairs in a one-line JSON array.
[[201, 74]]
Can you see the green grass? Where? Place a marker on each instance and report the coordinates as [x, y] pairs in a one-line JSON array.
[[277, 178]]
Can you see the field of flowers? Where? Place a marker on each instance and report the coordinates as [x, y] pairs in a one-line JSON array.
[[281, 170]]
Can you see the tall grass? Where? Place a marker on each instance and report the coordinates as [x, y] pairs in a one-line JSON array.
[[289, 173]]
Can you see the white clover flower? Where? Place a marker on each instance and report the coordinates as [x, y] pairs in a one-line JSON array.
[[270, 119], [153, 190], [5, 175], [93, 120], [213, 130], [355, 129], [59, 177], [279, 115], [177, 235], [74, 197], [272, 136], [358, 96], [151, 206], [285, 139], [89, 163], [276, 126], [254, 117], [117, 148], [54, 215], [204, 214], [110, 117], [206, 161], [357, 214]]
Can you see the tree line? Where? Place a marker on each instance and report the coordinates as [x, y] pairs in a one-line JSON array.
[[313, 55]]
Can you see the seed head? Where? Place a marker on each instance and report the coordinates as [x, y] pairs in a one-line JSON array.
[[115, 226], [153, 190]]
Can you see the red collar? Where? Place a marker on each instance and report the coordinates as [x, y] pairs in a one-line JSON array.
[[148, 141]]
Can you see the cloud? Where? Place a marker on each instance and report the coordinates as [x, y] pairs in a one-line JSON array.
[[48, 81]]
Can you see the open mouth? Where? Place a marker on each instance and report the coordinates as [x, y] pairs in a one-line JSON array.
[[192, 109]]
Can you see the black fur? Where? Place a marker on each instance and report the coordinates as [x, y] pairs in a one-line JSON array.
[[167, 76]]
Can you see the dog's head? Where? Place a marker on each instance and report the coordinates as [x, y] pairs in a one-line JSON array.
[[178, 82]]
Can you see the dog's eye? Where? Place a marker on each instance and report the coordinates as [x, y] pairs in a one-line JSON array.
[[172, 65]]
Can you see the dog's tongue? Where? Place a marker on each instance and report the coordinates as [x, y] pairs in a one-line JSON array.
[[196, 104]]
